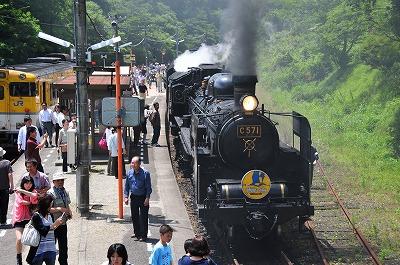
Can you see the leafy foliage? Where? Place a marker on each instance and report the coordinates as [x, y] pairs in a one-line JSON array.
[[18, 29], [160, 22]]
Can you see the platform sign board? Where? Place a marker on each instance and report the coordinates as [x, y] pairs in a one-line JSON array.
[[131, 111]]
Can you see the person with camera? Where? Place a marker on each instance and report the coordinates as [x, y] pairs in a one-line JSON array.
[[60, 208]]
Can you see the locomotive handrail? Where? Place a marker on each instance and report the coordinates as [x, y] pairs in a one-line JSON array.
[[198, 107]]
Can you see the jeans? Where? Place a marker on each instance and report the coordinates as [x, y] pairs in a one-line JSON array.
[[4, 198], [64, 158], [61, 237], [156, 135], [139, 215], [49, 258], [48, 127]]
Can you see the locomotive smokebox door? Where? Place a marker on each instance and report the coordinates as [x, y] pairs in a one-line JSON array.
[[248, 141]]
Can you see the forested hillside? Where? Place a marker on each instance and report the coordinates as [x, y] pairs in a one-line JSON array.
[[335, 61], [195, 22], [338, 63]]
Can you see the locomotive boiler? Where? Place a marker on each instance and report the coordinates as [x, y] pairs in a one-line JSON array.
[[243, 174]]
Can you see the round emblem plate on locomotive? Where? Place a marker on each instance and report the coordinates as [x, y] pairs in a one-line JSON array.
[[256, 184]]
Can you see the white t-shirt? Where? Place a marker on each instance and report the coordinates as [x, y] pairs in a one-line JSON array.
[[22, 136], [112, 144]]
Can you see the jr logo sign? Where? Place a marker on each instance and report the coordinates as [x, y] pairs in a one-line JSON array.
[[19, 103]]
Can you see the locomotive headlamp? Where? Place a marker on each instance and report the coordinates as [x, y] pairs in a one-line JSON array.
[[249, 103]]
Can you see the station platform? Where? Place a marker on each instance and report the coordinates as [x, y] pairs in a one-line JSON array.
[[89, 237]]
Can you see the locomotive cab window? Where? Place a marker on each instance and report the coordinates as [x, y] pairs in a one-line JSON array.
[[1, 93], [22, 89]]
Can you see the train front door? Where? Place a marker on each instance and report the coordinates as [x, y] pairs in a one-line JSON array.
[[44, 93]]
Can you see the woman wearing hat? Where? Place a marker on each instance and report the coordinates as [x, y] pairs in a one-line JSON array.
[[60, 206]]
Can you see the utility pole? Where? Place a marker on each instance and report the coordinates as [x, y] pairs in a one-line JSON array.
[[177, 41], [82, 175], [145, 49], [114, 23]]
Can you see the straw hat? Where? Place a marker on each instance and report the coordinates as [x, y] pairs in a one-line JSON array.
[[2, 151], [58, 176]]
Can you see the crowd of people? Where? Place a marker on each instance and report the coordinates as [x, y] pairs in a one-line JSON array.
[[52, 122], [197, 251], [46, 206], [142, 74]]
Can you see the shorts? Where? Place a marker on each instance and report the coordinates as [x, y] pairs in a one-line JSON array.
[[21, 224]]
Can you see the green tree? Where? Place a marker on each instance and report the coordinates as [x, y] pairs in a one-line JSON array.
[[18, 31], [342, 30]]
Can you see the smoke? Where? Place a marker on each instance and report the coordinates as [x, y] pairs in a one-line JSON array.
[[238, 51], [239, 25], [204, 55]]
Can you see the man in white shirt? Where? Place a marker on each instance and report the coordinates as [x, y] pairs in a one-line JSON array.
[[21, 142], [108, 134], [112, 145], [46, 122]]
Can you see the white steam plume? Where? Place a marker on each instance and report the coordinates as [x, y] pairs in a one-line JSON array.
[[204, 55]]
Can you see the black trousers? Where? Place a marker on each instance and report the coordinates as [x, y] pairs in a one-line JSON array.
[[115, 166], [156, 135], [4, 198], [139, 215], [64, 158], [57, 130], [61, 236], [136, 135], [40, 167]]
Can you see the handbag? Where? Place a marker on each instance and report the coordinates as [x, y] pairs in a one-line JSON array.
[[30, 236], [103, 143]]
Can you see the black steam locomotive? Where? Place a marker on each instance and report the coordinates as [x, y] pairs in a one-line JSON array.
[[244, 176]]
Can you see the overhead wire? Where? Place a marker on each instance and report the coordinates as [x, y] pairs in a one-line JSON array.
[[95, 28]]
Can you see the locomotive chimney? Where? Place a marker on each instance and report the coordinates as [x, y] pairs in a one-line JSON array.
[[243, 85]]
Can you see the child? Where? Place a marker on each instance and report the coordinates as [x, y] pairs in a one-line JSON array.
[[198, 251], [117, 255], [186, 246], [162, 254]]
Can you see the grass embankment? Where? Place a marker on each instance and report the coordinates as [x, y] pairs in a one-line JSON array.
[[351, 119]]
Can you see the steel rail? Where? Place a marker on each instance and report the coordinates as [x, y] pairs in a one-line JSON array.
[[357, 232], [285, 258], [310, 226]]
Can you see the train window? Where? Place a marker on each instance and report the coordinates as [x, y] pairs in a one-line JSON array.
[[1, 93], [22, 89]]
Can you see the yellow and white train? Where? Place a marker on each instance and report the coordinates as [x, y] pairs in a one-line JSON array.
[[24, 87]]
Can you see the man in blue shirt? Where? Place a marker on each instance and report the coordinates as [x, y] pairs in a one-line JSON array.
[[138, 186]]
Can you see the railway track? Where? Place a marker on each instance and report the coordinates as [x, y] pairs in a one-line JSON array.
[[340, 240], [306, 253]]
